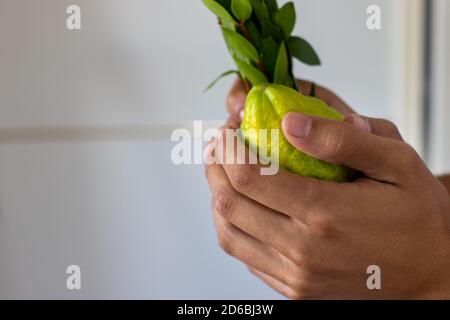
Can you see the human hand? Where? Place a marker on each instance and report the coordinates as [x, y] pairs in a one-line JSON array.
[[445, 180], [237, 96], [236, 102], [315, 239]]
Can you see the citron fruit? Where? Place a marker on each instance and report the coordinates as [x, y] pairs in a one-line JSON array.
[[265, 108]]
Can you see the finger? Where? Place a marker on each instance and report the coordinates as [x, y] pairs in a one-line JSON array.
[[236, 100], [385, 128], [274, 284], [249, 250], [283, 192], [262, 223], [232, 123], [380, 127], [326, 95], [337, 142]]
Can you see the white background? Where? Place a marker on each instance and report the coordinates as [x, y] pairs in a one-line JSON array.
[[138, 226], [440, 115]]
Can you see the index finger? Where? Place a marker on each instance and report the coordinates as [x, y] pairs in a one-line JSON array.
[[236, 100], [284, 192], [326, 95]]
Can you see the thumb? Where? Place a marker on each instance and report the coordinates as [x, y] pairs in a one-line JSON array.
[[353, 146]]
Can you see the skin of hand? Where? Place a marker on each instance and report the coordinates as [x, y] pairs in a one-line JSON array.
[[236, 103], [312, 239], [445, 180]]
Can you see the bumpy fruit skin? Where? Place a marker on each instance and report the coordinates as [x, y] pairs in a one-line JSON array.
[[265, 108]]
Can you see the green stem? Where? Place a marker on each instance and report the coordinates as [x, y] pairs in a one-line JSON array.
[[243, 27], [245, 31]]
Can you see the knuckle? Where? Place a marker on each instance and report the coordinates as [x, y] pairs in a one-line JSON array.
[[337, 145], [242, 177], [225, 242], [298, 256], [391, 129], [409, 157], [302, 259], [225, 202], [301, 292], [296, 284], [302, 285], [298, 278], [299, 289], [322, 225]]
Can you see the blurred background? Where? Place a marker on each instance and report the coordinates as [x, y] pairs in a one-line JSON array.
[[137, 225]]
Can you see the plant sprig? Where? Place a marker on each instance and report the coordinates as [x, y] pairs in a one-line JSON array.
[[258, 34]]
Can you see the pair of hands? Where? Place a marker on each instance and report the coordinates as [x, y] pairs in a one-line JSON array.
[[311, 239]]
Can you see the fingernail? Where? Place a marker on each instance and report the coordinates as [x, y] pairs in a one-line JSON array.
[[298, 125], [241, 115], [361, 123]]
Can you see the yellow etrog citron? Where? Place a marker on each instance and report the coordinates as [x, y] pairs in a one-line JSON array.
[[265, 108]]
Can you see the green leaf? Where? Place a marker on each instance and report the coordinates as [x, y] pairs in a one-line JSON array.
[[271, 5], [285, 19], [226, 4], [241, 46], [222, 13], [223, 75], [270, 54], [282, 66], [303, 51], [250, 73], [256, 36], [260, 9], [242, 9], [290, 82], [271, 30]]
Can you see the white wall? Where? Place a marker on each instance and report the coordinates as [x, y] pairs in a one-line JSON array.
[[138, 226], [440, 113]]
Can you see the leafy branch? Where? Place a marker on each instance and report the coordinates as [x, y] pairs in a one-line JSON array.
[[258, 34]]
